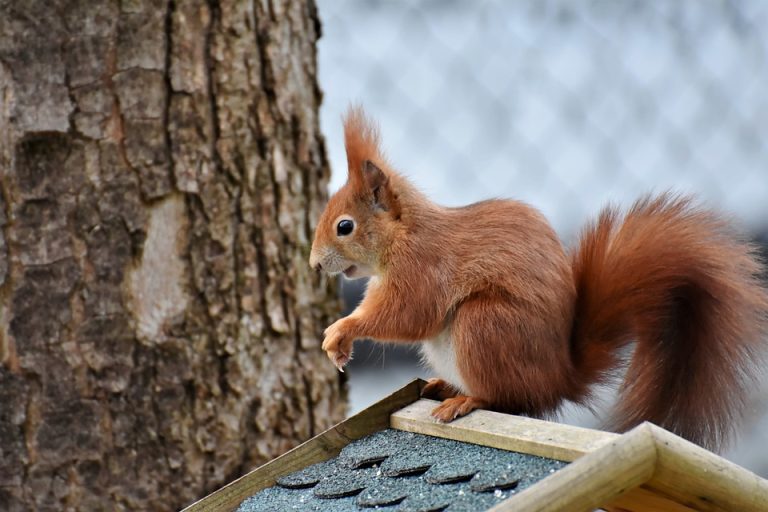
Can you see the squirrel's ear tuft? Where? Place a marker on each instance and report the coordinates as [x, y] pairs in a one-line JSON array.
[[361, 139], [366, 178]]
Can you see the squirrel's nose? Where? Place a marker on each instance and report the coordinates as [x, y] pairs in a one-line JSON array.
[[314, 261]]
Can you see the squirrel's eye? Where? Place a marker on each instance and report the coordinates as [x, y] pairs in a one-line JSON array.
[[344, 227]]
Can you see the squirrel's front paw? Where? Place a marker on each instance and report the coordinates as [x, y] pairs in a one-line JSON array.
[[338, 343]]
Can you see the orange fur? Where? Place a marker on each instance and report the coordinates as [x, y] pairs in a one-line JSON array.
[[530, 326]]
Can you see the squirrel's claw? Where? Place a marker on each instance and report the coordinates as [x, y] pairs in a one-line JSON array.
[[339, 359]]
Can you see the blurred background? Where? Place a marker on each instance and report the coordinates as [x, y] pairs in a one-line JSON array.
[[564, 105]]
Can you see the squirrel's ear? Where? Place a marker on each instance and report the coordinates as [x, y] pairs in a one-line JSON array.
[[378, 185], [375, 178]]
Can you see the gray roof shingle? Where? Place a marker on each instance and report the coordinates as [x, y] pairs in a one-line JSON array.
[[405, 472]]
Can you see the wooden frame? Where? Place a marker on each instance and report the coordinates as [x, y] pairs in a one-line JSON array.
[[515, 433], [646, 469]]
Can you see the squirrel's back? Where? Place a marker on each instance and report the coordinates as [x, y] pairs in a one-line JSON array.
[[511, 242]]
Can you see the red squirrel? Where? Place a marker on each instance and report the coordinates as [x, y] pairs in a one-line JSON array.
[[512, 322]]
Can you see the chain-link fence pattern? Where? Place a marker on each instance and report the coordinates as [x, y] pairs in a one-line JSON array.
[[565, 105]]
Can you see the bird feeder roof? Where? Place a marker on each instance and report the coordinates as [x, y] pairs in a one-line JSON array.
[[394, 456]]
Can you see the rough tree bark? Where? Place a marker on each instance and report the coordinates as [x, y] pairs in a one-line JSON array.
[[162, 170]]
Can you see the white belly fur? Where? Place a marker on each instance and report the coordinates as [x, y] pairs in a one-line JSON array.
[[440, 356]]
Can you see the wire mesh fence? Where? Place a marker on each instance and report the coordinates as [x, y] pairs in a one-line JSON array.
[[565, 105]]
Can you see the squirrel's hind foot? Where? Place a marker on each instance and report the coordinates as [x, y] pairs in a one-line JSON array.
[[457, 407]]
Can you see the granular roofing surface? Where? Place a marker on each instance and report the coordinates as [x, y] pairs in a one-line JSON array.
[[401, 471]]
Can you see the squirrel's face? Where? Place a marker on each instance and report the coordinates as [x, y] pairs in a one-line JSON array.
[[346, 238], [354, 230]]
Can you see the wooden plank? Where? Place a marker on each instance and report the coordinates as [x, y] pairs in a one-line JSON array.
[[516, 433], [625, 462], [323, 447], [702, 480], [641, 499]]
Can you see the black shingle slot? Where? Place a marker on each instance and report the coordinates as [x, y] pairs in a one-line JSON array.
[[407, 470], [449, 478], [304, 478], [500, 482]]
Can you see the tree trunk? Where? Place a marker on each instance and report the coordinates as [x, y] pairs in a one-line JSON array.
[[162, 171]]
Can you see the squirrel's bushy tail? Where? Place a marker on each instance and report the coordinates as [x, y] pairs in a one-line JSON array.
[[677, 280]]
